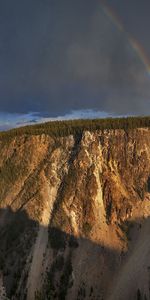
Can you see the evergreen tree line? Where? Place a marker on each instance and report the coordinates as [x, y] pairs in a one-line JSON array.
[[65, 128]]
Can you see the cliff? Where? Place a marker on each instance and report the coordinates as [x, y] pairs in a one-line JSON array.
[[74, 215]]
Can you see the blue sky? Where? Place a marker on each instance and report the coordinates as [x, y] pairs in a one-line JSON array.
[[8, 121]]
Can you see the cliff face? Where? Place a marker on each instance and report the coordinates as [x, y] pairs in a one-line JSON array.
[[74, 217]]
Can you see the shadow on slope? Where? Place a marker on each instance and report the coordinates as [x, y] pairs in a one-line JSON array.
[[82, 269], [77, 268], [67, 255], [133, 277], [17, 235]]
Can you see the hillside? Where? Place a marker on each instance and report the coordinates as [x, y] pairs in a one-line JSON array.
[[74, 210]]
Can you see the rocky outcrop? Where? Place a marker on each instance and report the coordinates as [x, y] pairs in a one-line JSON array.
[[75, 215]]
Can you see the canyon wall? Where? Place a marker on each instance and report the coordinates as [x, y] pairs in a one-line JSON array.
[[74, 216]]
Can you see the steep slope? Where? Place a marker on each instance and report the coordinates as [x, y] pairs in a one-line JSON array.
[[74, 216]]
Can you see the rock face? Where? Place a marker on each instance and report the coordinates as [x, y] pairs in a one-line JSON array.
[[74, 216]]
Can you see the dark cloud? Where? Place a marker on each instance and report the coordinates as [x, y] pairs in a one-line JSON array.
[[58, 56], [134, 15]]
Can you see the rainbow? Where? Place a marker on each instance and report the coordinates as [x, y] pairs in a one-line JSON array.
[[136, 46]]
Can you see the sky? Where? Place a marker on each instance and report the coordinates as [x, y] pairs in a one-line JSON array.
[[62, 59]]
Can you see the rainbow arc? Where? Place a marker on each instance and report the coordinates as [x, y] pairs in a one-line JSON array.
[[136, 46]]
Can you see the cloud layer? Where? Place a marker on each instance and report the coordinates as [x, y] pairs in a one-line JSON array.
[[8, 121], [59, 56]]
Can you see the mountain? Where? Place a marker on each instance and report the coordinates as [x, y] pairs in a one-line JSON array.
[[74, 211]]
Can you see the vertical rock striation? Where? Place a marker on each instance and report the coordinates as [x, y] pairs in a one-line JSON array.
[[74, 215]]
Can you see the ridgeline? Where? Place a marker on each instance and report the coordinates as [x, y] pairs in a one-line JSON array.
[[73, 127]]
